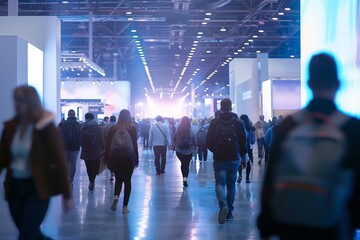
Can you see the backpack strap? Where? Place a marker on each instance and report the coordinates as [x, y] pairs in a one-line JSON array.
[[336, 118]]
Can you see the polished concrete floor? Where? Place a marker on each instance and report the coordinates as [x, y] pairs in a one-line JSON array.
[[160, 207]]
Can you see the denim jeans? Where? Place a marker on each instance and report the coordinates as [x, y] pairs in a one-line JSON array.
[[72, 157], [225, 174]]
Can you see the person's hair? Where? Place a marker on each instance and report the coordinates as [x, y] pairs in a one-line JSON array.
[[323, 72], [32, 99], [246, 121], [89, 116], [261, 117], [226, 105], [159, 118], [112, 118], [106, 118], [184, 126], [71, 113], [124, 120]]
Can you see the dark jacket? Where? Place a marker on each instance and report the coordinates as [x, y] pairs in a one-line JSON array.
[[241, 134], [70, 130], [47, 158], [351, 129], [91, 140], [133, 134]]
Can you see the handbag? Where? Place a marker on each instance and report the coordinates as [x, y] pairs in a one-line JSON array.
[[102, 165]]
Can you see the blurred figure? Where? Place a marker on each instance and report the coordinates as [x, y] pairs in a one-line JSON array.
[[194, 129], [261, 127], [160, 140], [105, 130], [270, 134], [104, 122], [92, 144], [185, 143], [250, 140], [145, 131], [70, 129], [135, 123], [32, 152], [201, 141], [226, 138], [309, 190], [122, 156]]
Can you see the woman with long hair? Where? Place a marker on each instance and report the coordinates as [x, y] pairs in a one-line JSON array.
[[32, 152], [249, 147], [122, 156], [92, 143], [185, 144]]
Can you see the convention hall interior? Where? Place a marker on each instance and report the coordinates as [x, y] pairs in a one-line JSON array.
[[172, 58]]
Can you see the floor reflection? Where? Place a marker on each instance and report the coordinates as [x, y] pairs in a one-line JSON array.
[[160, 207]]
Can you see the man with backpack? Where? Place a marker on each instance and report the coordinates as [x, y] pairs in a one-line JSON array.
[[311, 186], [226, 138], [70, 130]]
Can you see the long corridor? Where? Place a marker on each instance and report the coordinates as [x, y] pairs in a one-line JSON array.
[[160, 207]]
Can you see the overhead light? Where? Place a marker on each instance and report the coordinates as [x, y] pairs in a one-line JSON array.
[[236, 53], [250, 40], [130, 19], [200, 33], [239, 50], [203, 60], [207, 19], [137, 41], [222, 29], [243, 47], [135, 36], [195, 45], [258, 51], [246, 43], [261, 31], [133, 31], [274, 18], [128, 13], [198, 69], [196, 41], [198, 36], [216, 83], [208, 14], [65, 2], [255, 36], [208, 51], [204, 23], [287, 9], [281, 14], [292, 56]]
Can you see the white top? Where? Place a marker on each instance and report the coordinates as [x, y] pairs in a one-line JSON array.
[[20, 149], [157, 138]]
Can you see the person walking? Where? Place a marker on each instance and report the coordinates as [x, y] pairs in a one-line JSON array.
[[145, 129], [122, 156], [250, 140], [260, 129], [33, 155], [70, 129], [201, 141], [159, 140], [185, 144], [105, 131], [311, 186], [92, 144], [226, 138]]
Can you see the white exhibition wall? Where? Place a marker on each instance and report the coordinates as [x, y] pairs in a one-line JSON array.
[[13, 70], [43, 32], [333, 27], [245, 84], [115, 96]]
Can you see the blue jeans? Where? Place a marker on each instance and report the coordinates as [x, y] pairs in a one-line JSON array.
[[72, 157], [225, 174]]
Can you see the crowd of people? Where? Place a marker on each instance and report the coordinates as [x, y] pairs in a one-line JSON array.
[[310, 190]]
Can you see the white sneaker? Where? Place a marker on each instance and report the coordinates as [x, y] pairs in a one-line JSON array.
[[125, 209]]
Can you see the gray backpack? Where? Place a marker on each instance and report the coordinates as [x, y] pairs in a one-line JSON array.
[[122, 144], [311, 187]]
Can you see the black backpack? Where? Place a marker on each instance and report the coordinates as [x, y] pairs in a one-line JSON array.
[[122, 144], [201, 136], [184, 142], [226, 139], [71, 134]]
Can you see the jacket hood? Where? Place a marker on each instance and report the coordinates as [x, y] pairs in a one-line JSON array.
[[227, 115], [44, 121], [91, 126]]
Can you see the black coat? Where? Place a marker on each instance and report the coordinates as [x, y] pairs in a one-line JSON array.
[[91, 140]]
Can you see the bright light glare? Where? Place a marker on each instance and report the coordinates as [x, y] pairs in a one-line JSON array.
[[166, 107]]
